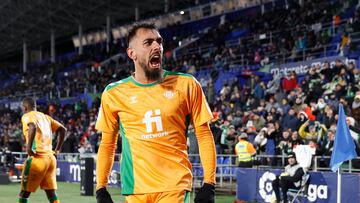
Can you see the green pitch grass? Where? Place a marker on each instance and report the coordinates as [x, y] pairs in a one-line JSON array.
[[70, 192]]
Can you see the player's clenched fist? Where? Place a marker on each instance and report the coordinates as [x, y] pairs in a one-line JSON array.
[[103, 196], [205, 194]]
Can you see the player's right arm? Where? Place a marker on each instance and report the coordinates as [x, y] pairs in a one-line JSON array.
[[31, 137], [105, 158], [107, 123]]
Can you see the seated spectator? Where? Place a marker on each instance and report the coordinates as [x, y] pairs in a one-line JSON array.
[[290, 178]]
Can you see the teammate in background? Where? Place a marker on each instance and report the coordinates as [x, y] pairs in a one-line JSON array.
[[152, 110], [40, 166]]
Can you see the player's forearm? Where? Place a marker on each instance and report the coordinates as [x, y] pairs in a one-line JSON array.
[[105, 158], [31, 137], [207, 152]]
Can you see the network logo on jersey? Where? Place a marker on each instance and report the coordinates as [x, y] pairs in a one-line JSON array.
[[265, 185], [150, 117]]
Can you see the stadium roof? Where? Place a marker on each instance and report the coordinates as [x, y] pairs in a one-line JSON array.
[[33, 20]]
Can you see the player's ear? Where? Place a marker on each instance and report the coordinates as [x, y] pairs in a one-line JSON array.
[[131, 53]]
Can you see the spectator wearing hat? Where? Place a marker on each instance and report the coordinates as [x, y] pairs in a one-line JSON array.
[[307, 109], [289, 179], [225, 127], [231, 139], [260, 140], [245, 151]]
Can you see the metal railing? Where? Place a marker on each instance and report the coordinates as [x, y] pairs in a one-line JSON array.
[[226, 165]]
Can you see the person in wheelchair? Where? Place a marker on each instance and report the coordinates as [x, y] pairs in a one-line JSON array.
[[289, 179]]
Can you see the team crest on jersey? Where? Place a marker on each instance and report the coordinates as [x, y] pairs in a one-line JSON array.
[[169, 94], [133, 99]]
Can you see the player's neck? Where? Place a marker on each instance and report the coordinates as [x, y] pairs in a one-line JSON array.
[[140, 77], [29, 110]]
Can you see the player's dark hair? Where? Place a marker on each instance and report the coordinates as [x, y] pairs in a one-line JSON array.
[[29, 102], [136, 27]]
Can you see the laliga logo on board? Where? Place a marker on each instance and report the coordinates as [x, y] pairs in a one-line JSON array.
[[265, 185], [317, 192], [314, 193]]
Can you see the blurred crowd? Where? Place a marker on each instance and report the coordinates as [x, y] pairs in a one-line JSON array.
[[276, 115], [286, 112]]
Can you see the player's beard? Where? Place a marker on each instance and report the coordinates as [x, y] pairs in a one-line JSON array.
[[151, 73]]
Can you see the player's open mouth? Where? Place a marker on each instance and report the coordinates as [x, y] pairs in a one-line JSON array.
[[155, 61]]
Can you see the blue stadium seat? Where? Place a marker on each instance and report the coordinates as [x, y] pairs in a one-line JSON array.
[[226, 160], [198, 172], [234, 169], [220, 160], [226, 172]]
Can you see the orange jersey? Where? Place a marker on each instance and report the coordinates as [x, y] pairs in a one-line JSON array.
[[153, 120], [45, 127]]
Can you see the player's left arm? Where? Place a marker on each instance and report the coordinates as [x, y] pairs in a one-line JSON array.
[[59, 128], [207, 152], [62, 132], [201, 116]]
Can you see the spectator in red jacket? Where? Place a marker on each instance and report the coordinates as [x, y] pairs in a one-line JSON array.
[[290, 82]]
